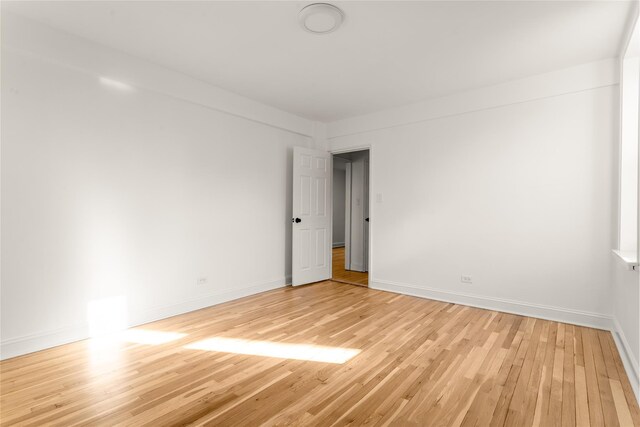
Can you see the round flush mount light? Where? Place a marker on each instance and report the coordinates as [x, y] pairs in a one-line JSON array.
[[321, 18]]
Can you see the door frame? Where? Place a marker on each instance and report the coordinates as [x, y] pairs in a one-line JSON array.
[[371, 210], [347, 219]]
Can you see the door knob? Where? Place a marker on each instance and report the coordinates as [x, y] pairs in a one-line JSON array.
[[296, 220], [366, 219]]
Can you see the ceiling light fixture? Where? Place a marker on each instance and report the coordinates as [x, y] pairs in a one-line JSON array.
[[321, 18]]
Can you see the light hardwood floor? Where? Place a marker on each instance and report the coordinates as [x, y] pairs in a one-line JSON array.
[[418, 362], [341, 275]]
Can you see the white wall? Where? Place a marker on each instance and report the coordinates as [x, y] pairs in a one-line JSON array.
[[339, 173], [513, 185], [130, 193]]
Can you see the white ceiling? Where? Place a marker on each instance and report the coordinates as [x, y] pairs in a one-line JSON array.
[[387, 54]]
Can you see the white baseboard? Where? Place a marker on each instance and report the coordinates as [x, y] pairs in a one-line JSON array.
[[338, 244], [631, 365], [42, 340], [558, 314]]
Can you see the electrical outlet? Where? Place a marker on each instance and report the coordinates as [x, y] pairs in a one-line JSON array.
[[202, 281], [466, 279]]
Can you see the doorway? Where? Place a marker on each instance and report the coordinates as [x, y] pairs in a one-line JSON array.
[[350, 222]]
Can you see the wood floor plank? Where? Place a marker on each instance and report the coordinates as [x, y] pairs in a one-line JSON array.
[[624, 381], [517, 408], [596, 416], [554, 412], [340, 274], [606, 396], [582, 400], [328, 354], [568, 379]]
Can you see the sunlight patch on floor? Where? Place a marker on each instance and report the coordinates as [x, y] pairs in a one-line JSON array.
[[110, 349], [310, 352]]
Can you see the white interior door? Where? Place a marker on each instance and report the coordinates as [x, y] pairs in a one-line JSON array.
[[311, 220]]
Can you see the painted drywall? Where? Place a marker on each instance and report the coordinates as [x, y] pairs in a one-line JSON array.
[[519, 196], [339, 173], [119, 199]]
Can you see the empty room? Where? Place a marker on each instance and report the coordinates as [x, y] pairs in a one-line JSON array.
[[261, 213]]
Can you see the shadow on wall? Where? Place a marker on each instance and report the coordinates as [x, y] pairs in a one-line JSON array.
[[288, 215]]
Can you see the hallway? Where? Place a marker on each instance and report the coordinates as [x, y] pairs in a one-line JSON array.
[[342, 275]]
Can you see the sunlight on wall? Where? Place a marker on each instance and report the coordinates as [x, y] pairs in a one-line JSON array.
[[311, 352], [107, 315], [115, 84], [146, 336]]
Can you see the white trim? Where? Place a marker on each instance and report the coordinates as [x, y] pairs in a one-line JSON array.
[[558, 314], [28, 37], [42, 340], [367, 147], [627, 258], [352, 149], [628, 360], [561, 82], [365, 218], [371, 213], [347, 218]]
